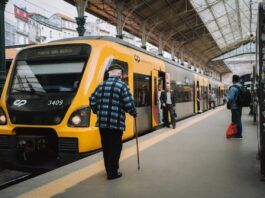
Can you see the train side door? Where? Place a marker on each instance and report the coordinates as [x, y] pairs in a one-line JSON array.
[[209, 97], [195, 97], [198, 97], [155, 102], [143, 100], [219, 95]]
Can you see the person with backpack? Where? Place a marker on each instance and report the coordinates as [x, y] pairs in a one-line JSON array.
[[235, 104]]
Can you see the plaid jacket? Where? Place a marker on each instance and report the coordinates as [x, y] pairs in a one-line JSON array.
[[110, 101]]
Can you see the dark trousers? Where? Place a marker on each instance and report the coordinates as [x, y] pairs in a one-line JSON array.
[[236, 118], [213, 104], [166, 109], [111, 140]]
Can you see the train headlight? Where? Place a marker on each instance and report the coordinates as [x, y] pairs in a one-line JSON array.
[[76, 120], [80, 118], [2, 117]]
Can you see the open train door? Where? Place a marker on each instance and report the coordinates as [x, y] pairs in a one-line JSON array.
[[198, 99], [195, 97], [209, 101], [219, 95], [155, 106]]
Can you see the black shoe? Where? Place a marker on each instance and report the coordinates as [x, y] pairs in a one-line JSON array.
[[237, 136], [174, 127], [114, 176]]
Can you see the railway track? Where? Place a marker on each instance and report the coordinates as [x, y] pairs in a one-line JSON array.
[[11, 177]]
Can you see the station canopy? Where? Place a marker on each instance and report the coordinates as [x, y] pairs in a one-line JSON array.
[[230, 22], [198, 30]]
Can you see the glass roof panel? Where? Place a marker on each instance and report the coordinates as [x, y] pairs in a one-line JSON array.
[[213, 26], [226, 31], [223, 22], [218, 10], [217, 35], [231, 18], [212, 1], [206, 16], [244, 14], [230, 6]]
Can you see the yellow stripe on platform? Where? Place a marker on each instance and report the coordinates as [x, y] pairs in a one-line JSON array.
[[61, 184]]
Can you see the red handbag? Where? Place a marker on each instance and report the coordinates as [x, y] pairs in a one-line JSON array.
[[231, 130]]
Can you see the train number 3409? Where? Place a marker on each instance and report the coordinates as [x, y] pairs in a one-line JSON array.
[[55, 102]]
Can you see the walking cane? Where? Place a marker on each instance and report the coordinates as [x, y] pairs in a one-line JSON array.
[[137, 146]]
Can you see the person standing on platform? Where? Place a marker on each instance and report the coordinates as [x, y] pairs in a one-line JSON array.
[[235, 109], [110, 101], [168, 103], [225, 98], [160, 112], [212, 99]]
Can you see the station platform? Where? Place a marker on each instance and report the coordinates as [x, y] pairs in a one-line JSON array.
[[193, 160]]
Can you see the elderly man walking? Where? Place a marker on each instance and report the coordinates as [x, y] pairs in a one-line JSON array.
[[110, 101]]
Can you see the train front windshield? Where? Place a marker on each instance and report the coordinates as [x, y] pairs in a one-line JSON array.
[[50, 69]]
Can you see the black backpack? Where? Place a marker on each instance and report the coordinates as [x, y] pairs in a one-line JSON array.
[[243, 96]]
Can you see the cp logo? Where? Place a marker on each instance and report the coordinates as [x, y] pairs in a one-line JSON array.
[[19, 103], [137, 58]]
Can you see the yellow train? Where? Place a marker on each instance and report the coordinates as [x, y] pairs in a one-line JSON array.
[[44, 110]]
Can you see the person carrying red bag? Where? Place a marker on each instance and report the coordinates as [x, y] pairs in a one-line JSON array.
[[236, 110], [231, 130]]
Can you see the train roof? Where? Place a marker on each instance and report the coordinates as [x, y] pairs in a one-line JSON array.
[[124, 43]]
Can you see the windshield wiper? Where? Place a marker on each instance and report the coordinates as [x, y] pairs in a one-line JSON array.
[[28, 92], [20, 91], [33, 90]]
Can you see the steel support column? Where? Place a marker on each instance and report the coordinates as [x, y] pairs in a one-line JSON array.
[[81, 25], [173, 46], [119, 20], [81, 19], [182, 54], [178, 52], [2, 44], [160, 44], [144, 36], [261, 86]]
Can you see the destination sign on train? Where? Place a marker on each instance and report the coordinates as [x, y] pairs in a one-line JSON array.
[[58, 51], [54, 51]]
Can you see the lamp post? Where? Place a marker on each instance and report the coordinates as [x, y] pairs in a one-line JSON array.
[[81, 19], [80, 25], [2, 44]]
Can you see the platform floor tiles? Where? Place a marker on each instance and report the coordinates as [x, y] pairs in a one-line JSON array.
[[194, 160]]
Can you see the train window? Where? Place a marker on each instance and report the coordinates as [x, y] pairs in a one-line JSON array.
[[49, 69], [183, 92], [47, 77], [123, 64], [204, 93], [142, 93]]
